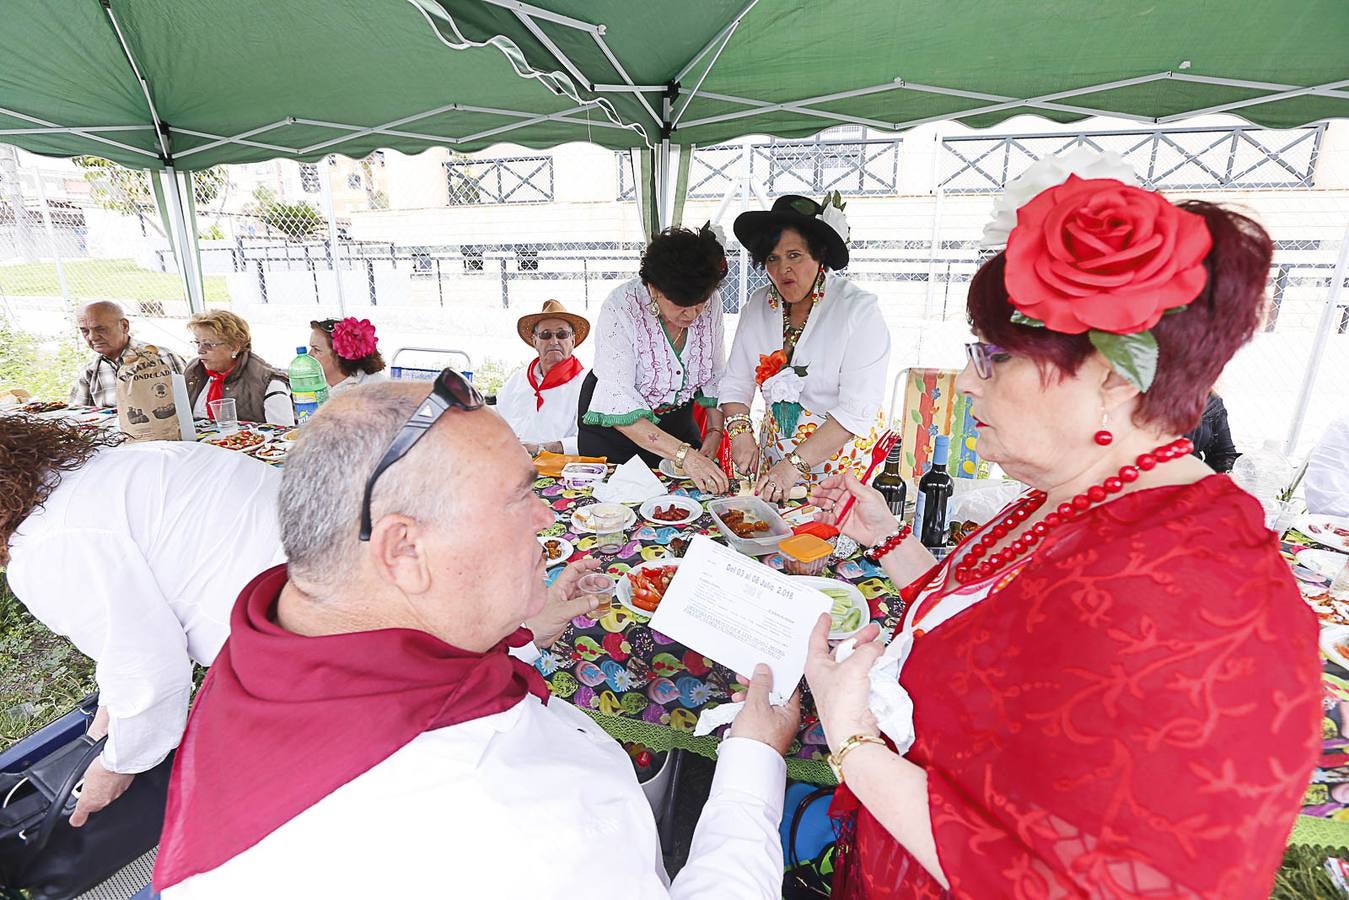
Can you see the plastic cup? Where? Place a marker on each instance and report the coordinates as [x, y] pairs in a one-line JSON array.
[[609, 533], [599, 586], [225, 417]]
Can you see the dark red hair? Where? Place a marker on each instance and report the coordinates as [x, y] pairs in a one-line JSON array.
[[1192, 346]]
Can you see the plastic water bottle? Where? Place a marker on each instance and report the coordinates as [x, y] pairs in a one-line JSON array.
[[308, 387], [1264, 474]]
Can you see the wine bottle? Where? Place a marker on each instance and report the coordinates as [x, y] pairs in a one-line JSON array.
[[934, 490], [891, 483]]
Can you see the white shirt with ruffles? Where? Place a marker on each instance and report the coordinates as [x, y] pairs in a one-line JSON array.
[[637, 370], [846, 347]]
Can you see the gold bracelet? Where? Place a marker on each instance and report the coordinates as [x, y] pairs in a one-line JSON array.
[[849, 745], [681, 453], [735, 429], [801, 465]]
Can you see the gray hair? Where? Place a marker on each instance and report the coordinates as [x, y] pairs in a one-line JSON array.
[[325, 475]]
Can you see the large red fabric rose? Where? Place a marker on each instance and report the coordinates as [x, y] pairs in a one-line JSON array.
[[1100, 254]]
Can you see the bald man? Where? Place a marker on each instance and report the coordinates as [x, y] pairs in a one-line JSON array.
[[107, 331]]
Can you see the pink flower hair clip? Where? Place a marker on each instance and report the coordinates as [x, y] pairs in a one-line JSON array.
[[354, 338]]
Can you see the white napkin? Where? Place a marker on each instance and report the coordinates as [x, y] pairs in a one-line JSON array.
[[632, 482]]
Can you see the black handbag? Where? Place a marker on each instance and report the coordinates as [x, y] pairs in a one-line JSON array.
[[41, 854], [803, 881]]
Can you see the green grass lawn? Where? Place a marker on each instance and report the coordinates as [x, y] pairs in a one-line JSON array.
[[102, 279]]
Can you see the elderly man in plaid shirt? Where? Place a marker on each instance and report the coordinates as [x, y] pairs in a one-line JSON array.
[[108, 333]]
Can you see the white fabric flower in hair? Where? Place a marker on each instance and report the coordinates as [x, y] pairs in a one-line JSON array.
[[836, 219], [718, 232], [1045, 173], [785, 386]]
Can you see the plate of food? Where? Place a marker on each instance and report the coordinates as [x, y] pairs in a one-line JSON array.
[[580, 519], [1333, 531], [273, 451], [1327, 563], [558, 550], [642, 587], [848, 612], [670, 470], [1329, 610], [671, 509], [1335, 644], [239, 440], [42, 406]]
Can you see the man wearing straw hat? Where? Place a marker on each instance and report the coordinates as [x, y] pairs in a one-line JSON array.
[[539, 401]]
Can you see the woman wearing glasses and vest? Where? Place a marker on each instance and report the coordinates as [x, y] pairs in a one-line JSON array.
[[813, 343], [226, 367], [659, 351]]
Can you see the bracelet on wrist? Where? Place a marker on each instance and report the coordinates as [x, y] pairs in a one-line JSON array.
[[681, 453], [889, 544], [836, 758], [800, 464], [735, 429]]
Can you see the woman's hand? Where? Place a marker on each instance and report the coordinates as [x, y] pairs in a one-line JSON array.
[[705, 473], [775, 484], [745, 454], [711, 443], [841, 690], [868, 522]]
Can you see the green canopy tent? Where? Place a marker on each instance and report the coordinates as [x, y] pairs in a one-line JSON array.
[[181, 85]]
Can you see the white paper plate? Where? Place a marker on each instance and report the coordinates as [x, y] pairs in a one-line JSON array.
[[667, 468], [623, 592], [272, 451], [692, 509], [1322, 529], [1331, 637], [565, 545], [819, 582], [1323, 562], [580, 523]]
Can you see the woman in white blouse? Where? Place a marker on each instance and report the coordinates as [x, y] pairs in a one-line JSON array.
[[814, 343], [659, 350], [346, 350], [136, 553]]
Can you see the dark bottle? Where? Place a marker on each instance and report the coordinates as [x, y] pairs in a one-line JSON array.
[[934, 491], [891, 483]]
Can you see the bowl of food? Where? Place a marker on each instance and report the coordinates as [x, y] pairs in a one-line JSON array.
[[578, 476], [557, 550], [643, 586], [848, 610], [749, 524], [1335, 644], [672, 509]]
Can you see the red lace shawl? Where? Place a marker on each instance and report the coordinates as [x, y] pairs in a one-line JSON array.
[[1135, 715]]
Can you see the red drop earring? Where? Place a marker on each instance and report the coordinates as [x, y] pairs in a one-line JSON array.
[[1104, 437]]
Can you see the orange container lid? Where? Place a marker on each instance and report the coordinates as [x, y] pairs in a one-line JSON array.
[[821, 530], [805, 547]]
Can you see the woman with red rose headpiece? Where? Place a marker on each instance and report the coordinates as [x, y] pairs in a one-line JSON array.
[[1111, 689], [812, 343], [348, 351]]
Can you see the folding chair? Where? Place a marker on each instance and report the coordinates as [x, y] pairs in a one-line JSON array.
[[429, 370], [926, 404]]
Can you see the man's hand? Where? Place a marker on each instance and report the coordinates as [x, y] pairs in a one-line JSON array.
[[760, 720], [562, 606], [101, 787], [99, 726]]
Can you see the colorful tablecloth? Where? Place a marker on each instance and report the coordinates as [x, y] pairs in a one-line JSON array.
[[640, 685]]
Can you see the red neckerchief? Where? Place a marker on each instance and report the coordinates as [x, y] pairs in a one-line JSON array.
[[283, 720], [559, 374], [215, 388]]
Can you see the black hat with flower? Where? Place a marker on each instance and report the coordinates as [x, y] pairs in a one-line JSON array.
[[823, 221]]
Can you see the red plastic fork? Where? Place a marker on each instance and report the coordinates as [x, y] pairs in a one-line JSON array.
[[884, 445]]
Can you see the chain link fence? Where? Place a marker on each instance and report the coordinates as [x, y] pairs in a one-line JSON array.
[[446, 251]]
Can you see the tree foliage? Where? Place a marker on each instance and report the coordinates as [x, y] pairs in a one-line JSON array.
[[295, 220]]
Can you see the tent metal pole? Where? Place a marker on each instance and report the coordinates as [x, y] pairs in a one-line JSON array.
[[187, 267], [58, 129], [51, 237], [722, 36], [1257, 85], [244, 141], [334, 242], [15, 114], [234, 139], [662, 198], [728, 31], [491, 132], [628, 88], [546, 14], [1253, 101], [160, 133], [1319, 344], [553, 48], [373, 128], [627, 79]]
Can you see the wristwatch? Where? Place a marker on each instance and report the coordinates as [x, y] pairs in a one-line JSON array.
[[682, 452], [801, 465], [836, 758]]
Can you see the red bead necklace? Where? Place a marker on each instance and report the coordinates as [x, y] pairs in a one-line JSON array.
[[979, 564]]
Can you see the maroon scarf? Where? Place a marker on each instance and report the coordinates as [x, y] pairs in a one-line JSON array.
[[283, 720], [559, 374]]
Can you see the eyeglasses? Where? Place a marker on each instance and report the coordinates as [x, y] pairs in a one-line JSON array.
[[982, 356], [451, 391], [562, 334], [208, 346], [327, 325]]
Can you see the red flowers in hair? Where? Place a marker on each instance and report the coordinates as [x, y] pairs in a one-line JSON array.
[[354, 338]]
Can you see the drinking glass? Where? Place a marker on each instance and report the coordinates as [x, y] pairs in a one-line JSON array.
[[225, 417], [609, 534], [599, 586]]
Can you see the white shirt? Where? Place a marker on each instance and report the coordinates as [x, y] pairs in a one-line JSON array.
[[1327, 477], [276, 404], [846, 347], [137, 557], [637, 369], [353, 380], [535, 802], [554, 421]]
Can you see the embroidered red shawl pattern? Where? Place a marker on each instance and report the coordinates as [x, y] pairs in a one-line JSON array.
[[283, 720], [1136, 714]]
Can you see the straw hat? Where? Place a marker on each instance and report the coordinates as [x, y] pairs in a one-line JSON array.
[[552, 309]]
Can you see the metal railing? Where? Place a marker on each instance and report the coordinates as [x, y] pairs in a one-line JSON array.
[[512, 179]]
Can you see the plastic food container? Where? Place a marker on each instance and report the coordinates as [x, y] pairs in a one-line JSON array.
[[804, 554], [820, 530], [577, 476], [760, 545]]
